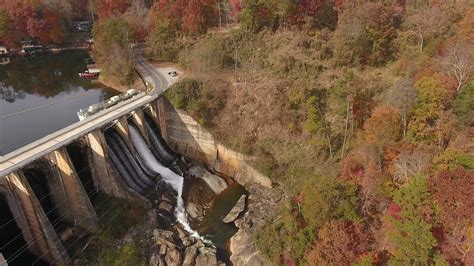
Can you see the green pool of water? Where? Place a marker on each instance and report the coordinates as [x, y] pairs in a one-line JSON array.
[[212, 227]]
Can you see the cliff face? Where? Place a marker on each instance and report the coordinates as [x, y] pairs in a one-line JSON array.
[[189, 138]]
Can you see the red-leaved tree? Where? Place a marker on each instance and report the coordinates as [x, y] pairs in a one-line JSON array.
[[304, 9], [194, 17], [452, 191], [107, 8]]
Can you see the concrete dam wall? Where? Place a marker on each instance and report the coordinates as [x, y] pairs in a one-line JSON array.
[[187, 137]]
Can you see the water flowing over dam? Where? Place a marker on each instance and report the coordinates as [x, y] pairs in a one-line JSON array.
[[144, 171], [174, 180]]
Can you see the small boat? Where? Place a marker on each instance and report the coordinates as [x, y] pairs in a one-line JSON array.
[[87, 75]]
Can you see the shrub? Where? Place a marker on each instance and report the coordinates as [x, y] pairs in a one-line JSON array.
[[464, 105], [126, 254], [451, 159], [200, 101]]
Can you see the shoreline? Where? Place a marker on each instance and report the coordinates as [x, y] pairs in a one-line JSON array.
[[137, 84], [48, 50]]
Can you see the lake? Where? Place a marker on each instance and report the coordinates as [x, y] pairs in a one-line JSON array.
[[41, 95]]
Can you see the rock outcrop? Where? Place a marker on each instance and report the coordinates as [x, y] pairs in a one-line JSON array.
[[262, 202], [187, 137], [236, 210], [173, 257], [243, 250], [215, 182], [206, 257]]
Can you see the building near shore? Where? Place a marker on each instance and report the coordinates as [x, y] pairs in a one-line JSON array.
[[4, 61], [3, 50]]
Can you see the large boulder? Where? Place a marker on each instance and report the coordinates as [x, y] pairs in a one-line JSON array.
[[155, 260], [185, 238], [173, 257], [166, 206], [164, 240], [215, 182], [206, 257], [236, 210], [190, 256], [243, 250], [194, 211], [160, 235]]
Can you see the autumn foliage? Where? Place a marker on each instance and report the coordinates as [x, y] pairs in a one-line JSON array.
[[20, 20], [339, 243], [192, 17], [383, 127], [457, 208], [107, 8], [360, 110]]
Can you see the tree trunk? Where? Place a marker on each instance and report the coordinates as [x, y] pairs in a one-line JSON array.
[[345, 130], [404, 121], [330, 146], [458, 88], [421, 42]]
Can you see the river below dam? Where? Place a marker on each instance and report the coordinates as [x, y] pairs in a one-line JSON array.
[[41, 95]]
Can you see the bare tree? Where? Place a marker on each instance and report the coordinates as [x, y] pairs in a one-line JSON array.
[[402, 97], [225, 12], [408, 165], [458, 61], [427, 23]]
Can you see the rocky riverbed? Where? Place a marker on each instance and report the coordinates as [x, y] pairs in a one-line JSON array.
[[224, 213], [179, 248], [176, 247]]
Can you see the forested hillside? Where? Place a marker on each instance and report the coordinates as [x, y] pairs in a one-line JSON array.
[[361, 112]]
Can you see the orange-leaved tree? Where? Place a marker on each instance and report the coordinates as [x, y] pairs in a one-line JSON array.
[[384, 127]]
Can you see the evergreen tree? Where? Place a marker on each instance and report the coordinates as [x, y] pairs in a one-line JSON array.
[[411, 234]]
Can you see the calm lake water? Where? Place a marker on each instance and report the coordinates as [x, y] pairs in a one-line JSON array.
[[39, 96]]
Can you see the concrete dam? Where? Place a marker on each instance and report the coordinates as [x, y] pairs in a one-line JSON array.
[[137, 151]]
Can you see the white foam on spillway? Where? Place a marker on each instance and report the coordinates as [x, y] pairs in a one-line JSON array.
[[174, 180]]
